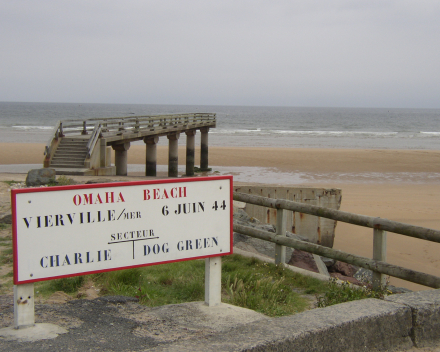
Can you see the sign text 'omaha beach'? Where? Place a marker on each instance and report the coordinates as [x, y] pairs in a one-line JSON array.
[[84, 217]]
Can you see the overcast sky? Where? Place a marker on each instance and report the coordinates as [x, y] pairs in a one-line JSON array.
[[342, 53]]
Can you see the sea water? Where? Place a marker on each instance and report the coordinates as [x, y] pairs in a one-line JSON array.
[[248, 126]]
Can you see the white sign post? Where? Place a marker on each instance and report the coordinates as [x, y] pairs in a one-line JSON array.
[[84, 229]]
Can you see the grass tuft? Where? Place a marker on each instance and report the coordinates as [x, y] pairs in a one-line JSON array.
[[246, 282], [344, 293], [68, 285], [10, 183], [4, 226], [6, 256], [61, 181]]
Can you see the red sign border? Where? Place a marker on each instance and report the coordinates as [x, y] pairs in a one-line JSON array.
[[14, 192]]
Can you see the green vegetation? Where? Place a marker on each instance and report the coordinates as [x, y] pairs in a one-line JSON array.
[[246, 282], [344, 293], [61, 181], [5, 246], [6, 256], [11, 182], [68, 285], [198, 169]]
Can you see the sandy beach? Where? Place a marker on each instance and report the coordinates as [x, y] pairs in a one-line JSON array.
[[401, 185]]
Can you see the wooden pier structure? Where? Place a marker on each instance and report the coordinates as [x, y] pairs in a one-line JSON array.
[[84, 147]]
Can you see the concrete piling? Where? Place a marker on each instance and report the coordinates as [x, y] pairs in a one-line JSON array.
[[204, 149], [190, 152], [121, 158], [173, 154], [151, 158]]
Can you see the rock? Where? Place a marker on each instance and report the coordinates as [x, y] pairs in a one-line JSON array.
[[297, 237], [240, 214], [350, 279], [344, 269], [328, 261], [364, 275], [303, 260], [395, 289], [5, 218], [267, 227], [39, 177], [238, 237], [100, 180]]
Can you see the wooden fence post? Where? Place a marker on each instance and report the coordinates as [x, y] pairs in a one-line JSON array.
[[379, 253], [280, 251]]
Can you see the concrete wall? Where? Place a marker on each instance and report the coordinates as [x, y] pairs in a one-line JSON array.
[[318, 230]]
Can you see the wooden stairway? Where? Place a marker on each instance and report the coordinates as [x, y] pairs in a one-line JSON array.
[[71, 153]]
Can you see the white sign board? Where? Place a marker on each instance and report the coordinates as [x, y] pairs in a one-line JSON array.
[[75, 230]]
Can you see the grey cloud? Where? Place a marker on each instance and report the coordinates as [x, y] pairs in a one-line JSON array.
[[300, 53]]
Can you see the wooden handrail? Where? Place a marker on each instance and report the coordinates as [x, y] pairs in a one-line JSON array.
[[53, 135], [137, 123], [380, 226], [378, 266], [93, 139], [338, 215]]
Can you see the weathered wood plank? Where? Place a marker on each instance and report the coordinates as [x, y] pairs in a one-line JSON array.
[[338, 215], [377, 266]]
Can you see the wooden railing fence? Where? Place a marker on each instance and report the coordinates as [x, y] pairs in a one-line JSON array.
[[114, 126], [377, 264]]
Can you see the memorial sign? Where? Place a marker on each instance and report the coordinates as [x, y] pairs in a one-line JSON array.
[[83, 229]]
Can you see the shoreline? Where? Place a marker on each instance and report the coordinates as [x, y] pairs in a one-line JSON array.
[[399, 197], [284, 159]]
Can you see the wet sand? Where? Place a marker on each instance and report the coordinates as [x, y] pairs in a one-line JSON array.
[[402, 185]]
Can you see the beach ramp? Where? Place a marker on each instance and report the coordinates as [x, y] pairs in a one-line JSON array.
[[84, 147]]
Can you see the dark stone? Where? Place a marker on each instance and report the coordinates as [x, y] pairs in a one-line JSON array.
[[240, 214], [39, 177], [303, 260], [297, 237], [395, 289], [5, 218], [268, 228], [364, 275], [344, 269], [350, 279], [100, 180], [328, 261]]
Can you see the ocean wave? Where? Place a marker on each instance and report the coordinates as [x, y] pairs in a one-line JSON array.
[[259, 131], [338, 133], [430, 134], [33, 127], [240, 131]]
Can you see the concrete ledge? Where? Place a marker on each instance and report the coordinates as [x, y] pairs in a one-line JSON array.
[[368, 325], [120, 324], [425, 308], [32, 333]]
